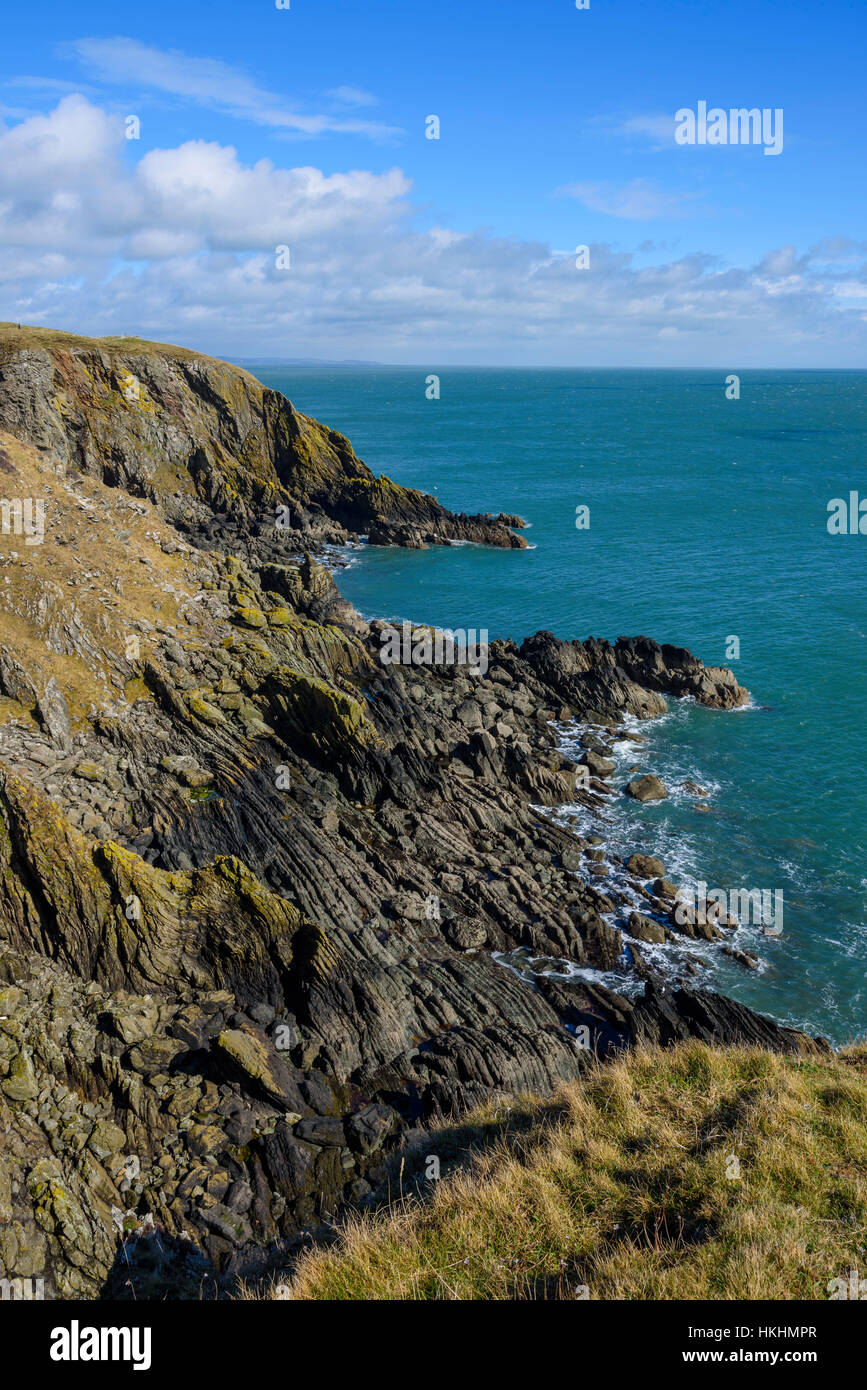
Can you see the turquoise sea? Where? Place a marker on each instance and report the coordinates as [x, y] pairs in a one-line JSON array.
[[708, 520]]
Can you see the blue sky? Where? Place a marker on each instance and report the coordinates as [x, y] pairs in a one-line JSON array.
[[306, 127]]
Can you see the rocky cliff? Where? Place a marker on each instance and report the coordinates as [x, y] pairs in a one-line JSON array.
[[221, 456], [266, 904]]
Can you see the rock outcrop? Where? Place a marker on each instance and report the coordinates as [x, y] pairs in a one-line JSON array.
[[223, 456], [677, 671], [266, 904]]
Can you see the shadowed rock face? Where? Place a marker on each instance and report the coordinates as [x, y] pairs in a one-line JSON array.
[[253, 881], [677, 671], [594, 675]]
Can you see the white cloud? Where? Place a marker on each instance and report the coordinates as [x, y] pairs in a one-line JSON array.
[[352, 96], [211, 82], [202, 187], [851, 289], [59, 148], [657, 128], [181, 246], [639, 199], [55, 85], [784, 261]]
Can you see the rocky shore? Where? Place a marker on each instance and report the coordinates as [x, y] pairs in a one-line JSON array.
[[256, 887]]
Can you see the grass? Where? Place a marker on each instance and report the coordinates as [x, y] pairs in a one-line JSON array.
[[695, 1173], [75, 567], [34, 337]]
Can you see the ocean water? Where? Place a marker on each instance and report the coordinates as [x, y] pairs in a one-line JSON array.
[[708, 520]]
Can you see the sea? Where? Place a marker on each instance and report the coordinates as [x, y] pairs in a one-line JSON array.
[[707, 525]]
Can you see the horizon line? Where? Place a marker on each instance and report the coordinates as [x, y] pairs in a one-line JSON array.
[[511, 366]]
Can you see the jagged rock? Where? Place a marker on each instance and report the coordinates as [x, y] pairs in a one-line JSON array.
[[664, 888], [20, 1084], [322, 1130], [247, 1055], [407, 907], [53, 714], [228, 1223], [675, 670], [14, 680], [666, 1017], [90, 772], [466, 934], [368, 1128], [106, 1139], [187, 770], [587, 676], [204, 1140], [604, 944], [153, 1055], [133, 1019], [469, 714], [745, 958], [693, 921]]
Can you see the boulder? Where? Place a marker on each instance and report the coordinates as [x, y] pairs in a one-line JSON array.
[[597, 765], [646, 866], [646, 788], [246, 1056], [466, 933], [664, 888], [368, 1129], [469, 714], [153, 1055], [645, 929]]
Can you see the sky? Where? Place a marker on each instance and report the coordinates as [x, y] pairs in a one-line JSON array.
[[154, 160]]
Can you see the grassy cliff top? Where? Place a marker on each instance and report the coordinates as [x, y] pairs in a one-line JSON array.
[[696, 1173], [20, 337]]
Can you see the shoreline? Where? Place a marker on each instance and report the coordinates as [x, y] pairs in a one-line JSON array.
[[784, 965], [641, 960]]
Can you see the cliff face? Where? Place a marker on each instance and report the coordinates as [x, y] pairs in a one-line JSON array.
[[255, 884], [217, 451]]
